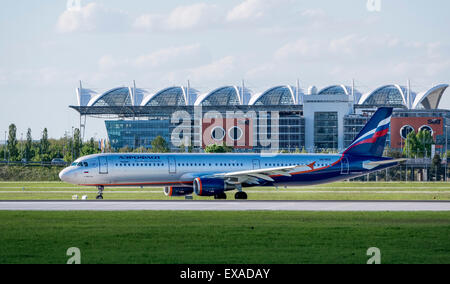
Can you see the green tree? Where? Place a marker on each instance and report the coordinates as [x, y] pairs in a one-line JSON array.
[[90, 148], [68, 149], [418, 145], [411, 145], [13, 152], [28, 153], [44, 147], [77, 143], [436, 166], [218, 149], [425, 141], [160, 145], [2, 152]]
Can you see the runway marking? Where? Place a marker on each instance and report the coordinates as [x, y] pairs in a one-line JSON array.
[[332, 206]]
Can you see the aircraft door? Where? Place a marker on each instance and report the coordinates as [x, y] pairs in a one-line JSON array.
[[256, 165], [172, 166], [103, 165], [345, 166]]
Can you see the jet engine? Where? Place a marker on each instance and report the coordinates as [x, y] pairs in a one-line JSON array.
[[178, 191], [210, 186]]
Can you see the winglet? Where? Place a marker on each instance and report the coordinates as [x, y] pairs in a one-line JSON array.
[[312, 165]]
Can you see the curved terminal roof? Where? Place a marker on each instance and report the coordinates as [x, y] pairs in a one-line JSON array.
[[280, 95], [341, 90], [387, 95], [113, 98], [431, 98], [225, 96], [173, 96]]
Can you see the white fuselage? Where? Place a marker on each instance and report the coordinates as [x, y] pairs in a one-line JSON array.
[[159, 170]]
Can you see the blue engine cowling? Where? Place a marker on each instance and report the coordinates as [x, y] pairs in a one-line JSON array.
[[210, 187], [178, 191]]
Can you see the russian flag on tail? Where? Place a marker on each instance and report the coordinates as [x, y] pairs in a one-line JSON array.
[[371, 141]]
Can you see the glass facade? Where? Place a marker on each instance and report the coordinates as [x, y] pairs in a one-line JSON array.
[[277, 96], [352, 127], [288, 132], [118, 97], [389, 95], [226, 96], [168, 97], [136, 133], [291, 132], [326, 130], [335, 90]]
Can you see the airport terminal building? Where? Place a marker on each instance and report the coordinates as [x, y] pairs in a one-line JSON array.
[[283, 117]]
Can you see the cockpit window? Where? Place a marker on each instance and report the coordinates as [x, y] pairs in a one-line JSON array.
[[79, 164], [74, 165], [85, 164]]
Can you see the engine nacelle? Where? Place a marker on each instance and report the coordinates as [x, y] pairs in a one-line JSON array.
[[210, 187], [178, 191]]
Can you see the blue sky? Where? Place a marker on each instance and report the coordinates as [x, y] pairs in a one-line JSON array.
[[45, 49]]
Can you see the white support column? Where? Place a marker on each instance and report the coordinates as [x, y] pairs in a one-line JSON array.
[[188, 93]]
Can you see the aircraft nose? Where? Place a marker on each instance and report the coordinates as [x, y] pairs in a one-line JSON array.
[[63, 175]]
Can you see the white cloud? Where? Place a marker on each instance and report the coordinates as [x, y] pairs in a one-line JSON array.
[[173, 56], [188, 17], [181, 18], [92, 17], [148, 22], [303, 48], [217, 70], [313, 13], [249, 10]]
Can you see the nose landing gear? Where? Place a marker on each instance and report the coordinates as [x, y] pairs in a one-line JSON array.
[[100, 192]]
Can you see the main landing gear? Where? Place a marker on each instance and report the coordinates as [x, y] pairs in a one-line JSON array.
[[221, 196], [241, 195], [100, 192]]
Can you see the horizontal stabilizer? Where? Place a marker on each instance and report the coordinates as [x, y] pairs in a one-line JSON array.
[[380, 163], [372, 165]]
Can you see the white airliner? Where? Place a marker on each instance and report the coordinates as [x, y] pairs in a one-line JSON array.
[[215, 174]]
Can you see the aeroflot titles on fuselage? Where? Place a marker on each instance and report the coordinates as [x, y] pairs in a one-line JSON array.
[[140, 158]]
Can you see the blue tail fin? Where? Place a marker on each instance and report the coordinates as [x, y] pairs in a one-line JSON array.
[[372, 139]]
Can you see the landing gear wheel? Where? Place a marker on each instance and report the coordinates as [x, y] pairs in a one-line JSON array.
[[241, 196], [100, 192], [221, 196]]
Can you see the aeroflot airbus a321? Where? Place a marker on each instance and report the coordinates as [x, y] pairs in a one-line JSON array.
[[213, 175]]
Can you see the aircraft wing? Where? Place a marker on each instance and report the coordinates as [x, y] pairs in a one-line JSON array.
[[254, 176]]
